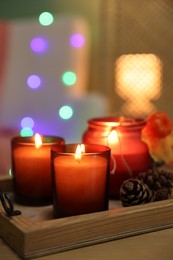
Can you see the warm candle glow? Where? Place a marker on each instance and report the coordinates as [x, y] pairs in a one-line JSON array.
[[80, 179], [113, 137], [31, 167], [82, 146], [138, 80], [79, 150], [38, 141]]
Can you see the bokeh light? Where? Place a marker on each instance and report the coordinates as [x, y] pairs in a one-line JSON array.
[[34, 81], [27, 122], [69, 78], [26, 131], [46, 18], [39, 45], [77, 40], [66, 112]]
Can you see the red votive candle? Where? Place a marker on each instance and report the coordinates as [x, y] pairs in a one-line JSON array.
[[129, 155], [31, 168], [80, 179]]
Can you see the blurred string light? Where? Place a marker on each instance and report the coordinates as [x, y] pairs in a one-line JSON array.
[[69, 78], [27, 123], [39, 45], [34, 81], [46, 18], [26, 131], [66, 112], [77, 40]]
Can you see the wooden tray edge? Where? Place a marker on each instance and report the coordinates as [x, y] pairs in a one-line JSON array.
[[29, 239]]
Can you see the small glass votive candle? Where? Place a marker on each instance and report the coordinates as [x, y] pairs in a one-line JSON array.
[[80, 179], [31, 168]]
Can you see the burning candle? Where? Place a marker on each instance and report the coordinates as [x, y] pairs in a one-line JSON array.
[[31, 168], [129, 155], [80, 179]]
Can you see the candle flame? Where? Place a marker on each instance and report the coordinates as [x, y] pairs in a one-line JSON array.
[[82, 146], [79, 150], [113, 137], [38, 141]]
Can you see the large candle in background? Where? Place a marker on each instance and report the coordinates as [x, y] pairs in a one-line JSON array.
[[31, 168], [80, 179], [129, 154]]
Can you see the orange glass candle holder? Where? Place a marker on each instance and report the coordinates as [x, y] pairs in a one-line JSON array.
[[31, 169], [129, 155], [80, 185]]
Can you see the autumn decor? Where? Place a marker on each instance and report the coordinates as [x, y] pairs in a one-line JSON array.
[[157, 179], [158, 135], [134, 192], [156, 183], [143, 190]]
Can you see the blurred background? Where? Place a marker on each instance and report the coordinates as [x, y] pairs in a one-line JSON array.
[[64, 62]]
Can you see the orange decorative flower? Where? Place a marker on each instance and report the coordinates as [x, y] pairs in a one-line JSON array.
[[158, 135]]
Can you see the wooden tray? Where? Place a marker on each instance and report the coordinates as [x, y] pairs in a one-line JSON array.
[[35, 233]]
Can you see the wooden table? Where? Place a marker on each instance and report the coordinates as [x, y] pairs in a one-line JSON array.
[[151, 246]]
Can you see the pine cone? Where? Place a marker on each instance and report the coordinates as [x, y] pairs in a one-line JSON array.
[[161, 194], [135, 192], [157, 179]]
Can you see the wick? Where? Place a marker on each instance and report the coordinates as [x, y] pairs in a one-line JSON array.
[[120, 145], [122, 157], [78, 160]]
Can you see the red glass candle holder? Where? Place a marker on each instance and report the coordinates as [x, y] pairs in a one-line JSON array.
[[31, 169], [129, 155], [80, 186]]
